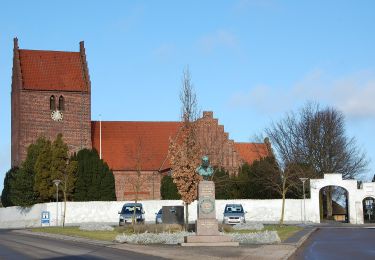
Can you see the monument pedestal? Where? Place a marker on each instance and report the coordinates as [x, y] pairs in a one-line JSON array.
[[207, 226]]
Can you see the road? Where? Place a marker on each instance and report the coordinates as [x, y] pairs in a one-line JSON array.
[[338, 243], [22, 246]]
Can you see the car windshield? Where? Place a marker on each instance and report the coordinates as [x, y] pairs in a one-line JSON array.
[[130, 210], [234, 209]]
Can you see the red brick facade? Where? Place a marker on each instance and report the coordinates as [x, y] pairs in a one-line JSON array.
[[216, 144], [126, 185], [31, 113]]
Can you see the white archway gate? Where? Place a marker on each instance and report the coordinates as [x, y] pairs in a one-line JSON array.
[[355, 196]]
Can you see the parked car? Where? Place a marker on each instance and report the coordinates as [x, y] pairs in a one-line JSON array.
[[130, 210], [159, 215], [234, 214]]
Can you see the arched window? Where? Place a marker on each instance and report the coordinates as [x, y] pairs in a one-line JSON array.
[[52, 104], [61, 103]]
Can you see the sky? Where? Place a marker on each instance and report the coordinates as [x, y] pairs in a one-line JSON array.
[[251, 61]]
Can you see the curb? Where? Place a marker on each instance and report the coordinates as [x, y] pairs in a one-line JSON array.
[[299, 243]]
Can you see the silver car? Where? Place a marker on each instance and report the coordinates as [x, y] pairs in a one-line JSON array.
[[130, 211], [234, 214]]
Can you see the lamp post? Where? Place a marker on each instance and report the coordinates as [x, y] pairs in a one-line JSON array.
[[57, 182], [304, 199]]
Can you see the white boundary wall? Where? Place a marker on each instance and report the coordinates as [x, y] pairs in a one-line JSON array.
[[107, 212], [265, 211]]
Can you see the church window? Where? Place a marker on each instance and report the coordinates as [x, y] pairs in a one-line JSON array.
[[61, 103], [52, 104]]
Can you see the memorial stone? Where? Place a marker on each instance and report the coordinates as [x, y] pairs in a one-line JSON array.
[[206, 226]]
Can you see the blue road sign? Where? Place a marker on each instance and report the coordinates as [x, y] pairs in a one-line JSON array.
[[45, 217]]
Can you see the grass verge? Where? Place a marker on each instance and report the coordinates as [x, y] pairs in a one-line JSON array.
[[284, 231], [75, 232]]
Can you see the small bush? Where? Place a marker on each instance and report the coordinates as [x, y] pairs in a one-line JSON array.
[[249, 226], [152, 238], [95, 227], [150, 228], [263, 237]]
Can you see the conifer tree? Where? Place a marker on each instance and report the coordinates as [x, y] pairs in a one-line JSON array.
[[6, 194], [107, 185], [168, 189], [95, 181], [43, 179]]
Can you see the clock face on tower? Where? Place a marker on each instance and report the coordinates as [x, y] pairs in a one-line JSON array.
[[57, 115]]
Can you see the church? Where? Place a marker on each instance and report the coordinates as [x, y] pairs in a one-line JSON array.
[[51, 94]]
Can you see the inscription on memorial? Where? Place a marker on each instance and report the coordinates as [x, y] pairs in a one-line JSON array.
[[207, 191], [206, 201]]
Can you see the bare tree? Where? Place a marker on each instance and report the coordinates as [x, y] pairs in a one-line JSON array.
[[285, 169], [184, 150], [68, 180], [325, 143], [316, 138], [138, 181]]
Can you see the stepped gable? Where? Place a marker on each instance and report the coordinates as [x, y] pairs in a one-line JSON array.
[[127, 146], [250, 152], [52, 70]]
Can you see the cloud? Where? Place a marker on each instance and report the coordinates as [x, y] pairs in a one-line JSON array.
[[165, 51], [218, 39], [261, 97], [353, 94]]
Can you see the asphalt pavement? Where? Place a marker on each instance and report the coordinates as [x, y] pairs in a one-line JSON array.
[[15, 245], [338, 243]]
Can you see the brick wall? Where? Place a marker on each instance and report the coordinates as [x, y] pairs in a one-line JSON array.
[[15, 105], [34, 120], [216, 144], [150, 188]]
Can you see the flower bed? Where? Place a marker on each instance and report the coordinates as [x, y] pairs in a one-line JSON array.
[[264, 237]]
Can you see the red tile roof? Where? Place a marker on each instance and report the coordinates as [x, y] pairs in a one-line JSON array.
[[127, 145], [249, 152], [124, 143], [52, 70]]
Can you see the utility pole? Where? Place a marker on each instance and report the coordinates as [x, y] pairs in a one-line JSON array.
[[57, 182], [304, 199]]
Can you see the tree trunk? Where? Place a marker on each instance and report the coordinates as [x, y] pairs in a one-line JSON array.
[[135, 209], [186, 216], [63, 224], [282, 208], [329, 202]]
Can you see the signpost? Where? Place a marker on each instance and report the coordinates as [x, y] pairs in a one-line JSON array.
[[45, 218]]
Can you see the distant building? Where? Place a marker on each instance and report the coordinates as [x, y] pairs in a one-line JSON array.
[[51, 94]]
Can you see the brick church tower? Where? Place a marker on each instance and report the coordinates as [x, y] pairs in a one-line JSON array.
[[51, 94]]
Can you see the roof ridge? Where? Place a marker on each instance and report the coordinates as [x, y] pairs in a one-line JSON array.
[[115, 121], [49, 51]]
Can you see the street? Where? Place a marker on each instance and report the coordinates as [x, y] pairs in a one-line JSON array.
[[338, 243], [22, 246]]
